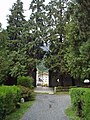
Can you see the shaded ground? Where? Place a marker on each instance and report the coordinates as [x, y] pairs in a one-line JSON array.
[[48, 107]]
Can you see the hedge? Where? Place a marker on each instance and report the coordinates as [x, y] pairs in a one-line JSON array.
[[80, 100], [9, 96], [26, 81], [27, 93]]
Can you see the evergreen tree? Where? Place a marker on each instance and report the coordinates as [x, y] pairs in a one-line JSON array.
[[15, 30], [34, 35], [4, 60], [36, 29], [56, 35], [78, 37], [16, 21], [67, 40]]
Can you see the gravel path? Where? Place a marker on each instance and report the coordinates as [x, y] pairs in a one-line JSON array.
[[48, 107]]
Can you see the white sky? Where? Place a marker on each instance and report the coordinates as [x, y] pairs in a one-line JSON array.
[[5, 5]]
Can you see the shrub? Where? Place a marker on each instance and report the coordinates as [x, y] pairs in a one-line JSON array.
[[80, 99], [26, 81], [86, 104], [32, 96], [27, 93], [9, 96]]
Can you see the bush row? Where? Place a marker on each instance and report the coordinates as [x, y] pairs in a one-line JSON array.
[[9, 96], [27, 93], [26, 85], [80, 99], [26, 81]]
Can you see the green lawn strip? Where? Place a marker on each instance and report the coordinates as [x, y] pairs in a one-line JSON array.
[[71, 114], [20, 112]]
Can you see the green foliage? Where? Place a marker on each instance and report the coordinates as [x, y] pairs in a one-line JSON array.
[[18, 114], [4, 60], [86, 105], [77, 40], [4, 65], [9, 96], [85, 58], [37, 28], [27, 93], [72, 51], [58, 31], [76, 99], [16, 50], [23, 48], [56, 35], [16, 21], [18, 63], [26, 81], [80, 99], [71, 114]]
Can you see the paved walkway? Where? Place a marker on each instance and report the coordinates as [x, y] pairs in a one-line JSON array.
[[48, 107], [40, 89]]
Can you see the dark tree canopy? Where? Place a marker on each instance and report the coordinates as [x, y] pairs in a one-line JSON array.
[[58, 33]]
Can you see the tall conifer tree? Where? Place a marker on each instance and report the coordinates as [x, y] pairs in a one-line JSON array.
[[37, 27], [56, 34], [78, 39], [15, 45], [16, 21]]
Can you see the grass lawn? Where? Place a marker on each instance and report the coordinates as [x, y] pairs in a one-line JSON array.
[[71, 114], [19, 112]]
